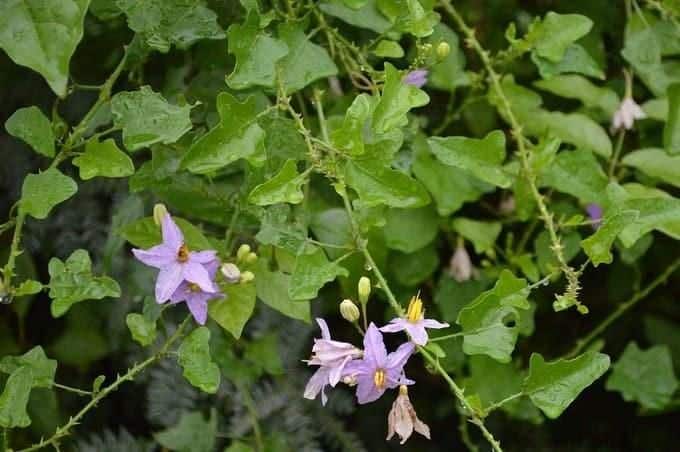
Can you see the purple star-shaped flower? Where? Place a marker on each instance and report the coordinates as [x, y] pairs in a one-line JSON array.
[[176, 263], [332, 356], [416, 78], [595, 213], [414, 323], [195, 297], [378, 371]]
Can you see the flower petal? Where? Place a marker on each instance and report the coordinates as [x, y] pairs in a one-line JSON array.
[[158, 256], [367, 392], [397, 359], [198, 306], [374, 347], [336, 371], [203, 257], [197, 274], [169, 279], [325, 332], [316, 384], [172, 236], [431, 323], [394, 326]]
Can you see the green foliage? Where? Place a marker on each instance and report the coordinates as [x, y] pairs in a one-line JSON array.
[[194, 357], [14, 399], [42, 369], [103, 159], [286, 186], [30, 125], [235, 309], [192, 433], [42, 192]]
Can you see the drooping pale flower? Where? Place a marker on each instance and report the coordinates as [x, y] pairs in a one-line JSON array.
[[627, 113], [403, 420], [416, 78], [460, 266], [195, 297], [176, 263], [595, 214], [414, 323], [231, 272], [377, 371], [332, 357]]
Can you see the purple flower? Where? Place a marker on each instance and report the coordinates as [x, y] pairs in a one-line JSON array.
[[595, 214], [414, 323], [176, 263], [332, 357], [195, 297], [378, 371], [416, 78]]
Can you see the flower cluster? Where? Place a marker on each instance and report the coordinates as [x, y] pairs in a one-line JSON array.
[[372, 370], [185, 275]]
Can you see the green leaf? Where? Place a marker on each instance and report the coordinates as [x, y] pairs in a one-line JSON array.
[[490, 323], [448, 73], [645, 376], [235, 309], [306, 62], [552, 386], [14, 399], [408, 230], [103, 159], [143, 330], [256, 54], [72, 281], [286, 186], [576, 60], [32, 126], [312, 271], [388, 49], [42, 35], [236, 136], [147, 118], [263, 352], [396, 100], [272, 289], [579, 174], [198, 367], [671, 131], [558, 31], [582, 89], [655, 163], [368, 16], [410, 16], [377, 184], [349, 136], [42, 192], [164, 23], [482, 234], [28, 287], [145, 233], [598, 245], [483, 158], [42, 368], [193, 433], [449, 186], [413, 268]]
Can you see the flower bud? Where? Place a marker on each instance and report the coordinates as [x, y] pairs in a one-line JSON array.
[[231, 272], [159, 212], [251, 258], [247, 277], [364, 289], [443, 50], [242, 252], [349, 311], [460, 266]]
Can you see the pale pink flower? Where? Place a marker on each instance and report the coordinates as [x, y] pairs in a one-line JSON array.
[[626, 115], [460, 266], [403, 420]]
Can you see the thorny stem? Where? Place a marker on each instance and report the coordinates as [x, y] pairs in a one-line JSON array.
[[64, 430], [74, 390], [434, 362], [74, 136], [522, 151], [623, 308], [617, 152]]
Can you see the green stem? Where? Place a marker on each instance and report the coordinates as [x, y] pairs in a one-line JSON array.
[[252, 412], [623, 308], [74, 390], [8, 271], [4, 442], [447, 337], [617, 152], [128, 376], [500, 403]]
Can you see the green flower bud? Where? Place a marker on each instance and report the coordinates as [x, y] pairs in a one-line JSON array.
[[242, 252], [364, 289], [349, 311], [159, 212], [247, 277], [251, 258], [443, 50]]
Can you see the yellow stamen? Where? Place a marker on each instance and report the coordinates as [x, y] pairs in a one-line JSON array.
[[415, 309], [194, 287], [183, 253], [379, 378]]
